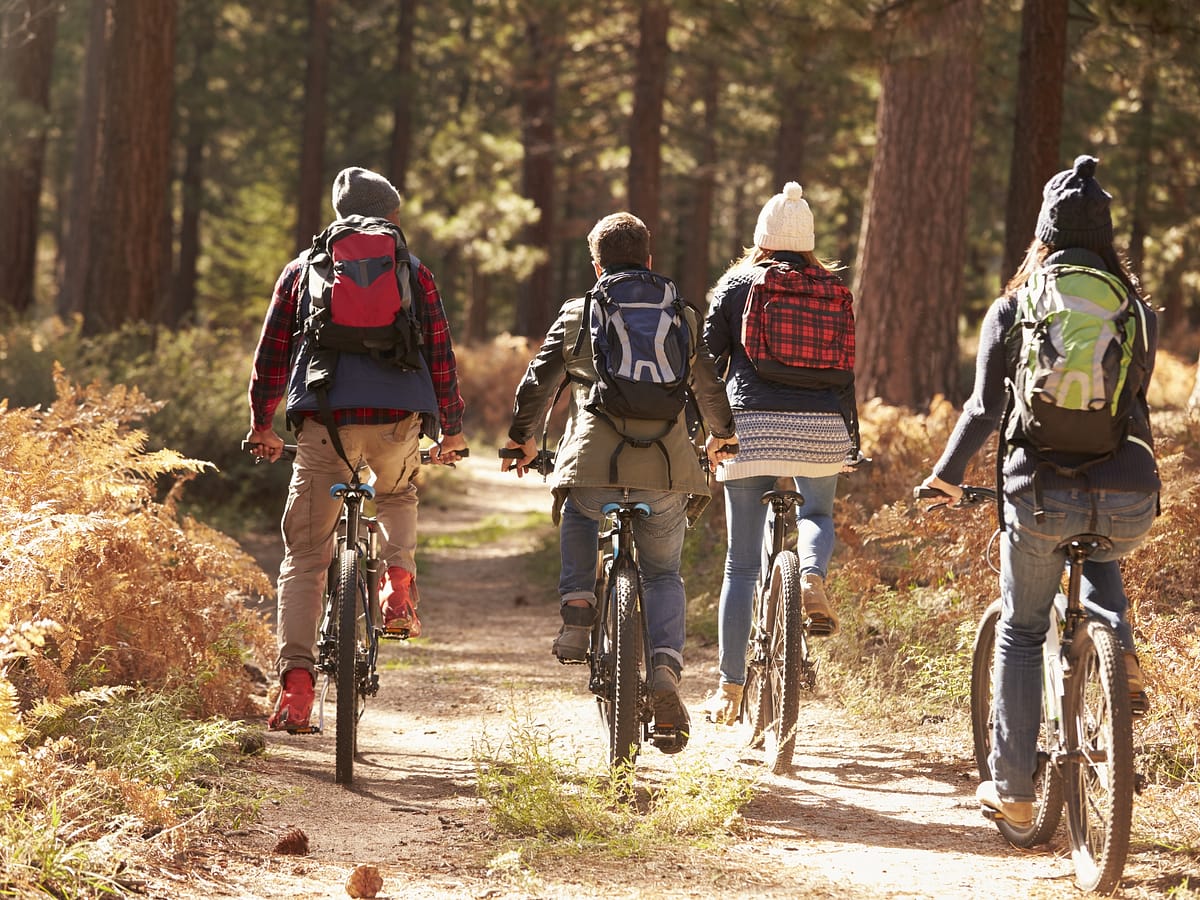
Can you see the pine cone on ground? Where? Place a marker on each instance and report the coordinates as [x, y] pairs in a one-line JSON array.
[[292, 843], [365, 881]]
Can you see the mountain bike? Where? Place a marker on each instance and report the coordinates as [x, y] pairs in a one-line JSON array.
[[779, 666], [351, 621], [619, 657], [1085, 745]]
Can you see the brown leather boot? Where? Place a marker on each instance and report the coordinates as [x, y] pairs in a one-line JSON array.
[[816, 606]]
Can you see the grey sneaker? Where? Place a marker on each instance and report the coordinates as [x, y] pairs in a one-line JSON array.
[[672, 726], [571, 645]]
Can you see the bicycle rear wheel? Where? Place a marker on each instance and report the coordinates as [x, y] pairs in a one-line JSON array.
[[1047, 783], [346, 743], [782, 673], [1099, 765], [624, 734]]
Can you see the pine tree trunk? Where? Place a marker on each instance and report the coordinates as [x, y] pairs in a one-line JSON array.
[[402, 107], [129, 263], [182, 307], [913, 247], [649, 90], [693, 270], [310, 217], [1037, 128], [74, 251], [27, 34], [538, 84]]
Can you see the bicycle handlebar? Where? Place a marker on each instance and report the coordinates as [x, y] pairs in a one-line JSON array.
[[543, 460], [289, 452], [971, 494]]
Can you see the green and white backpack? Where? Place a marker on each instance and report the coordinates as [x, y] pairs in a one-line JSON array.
[[1077, 358]]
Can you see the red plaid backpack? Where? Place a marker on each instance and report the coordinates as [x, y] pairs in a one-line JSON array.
[[798, 327]]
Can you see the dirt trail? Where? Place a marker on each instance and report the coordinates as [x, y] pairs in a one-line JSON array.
[[864, 813]]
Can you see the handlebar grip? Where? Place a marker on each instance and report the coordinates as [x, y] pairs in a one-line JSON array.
[[732, 447], [511, 453], [921, 492]]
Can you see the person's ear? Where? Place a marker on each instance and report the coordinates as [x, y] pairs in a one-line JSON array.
[[649, 260], [596, 266]]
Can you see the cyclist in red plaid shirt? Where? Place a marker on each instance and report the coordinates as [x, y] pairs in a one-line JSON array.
[[378, 412]]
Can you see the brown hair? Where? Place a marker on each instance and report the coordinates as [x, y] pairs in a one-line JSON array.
[[621, 239], [1038, 250]]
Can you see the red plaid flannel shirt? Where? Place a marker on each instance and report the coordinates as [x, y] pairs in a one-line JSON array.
[[273, 358]]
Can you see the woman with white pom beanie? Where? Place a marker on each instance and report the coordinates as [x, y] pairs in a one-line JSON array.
[[805, 433]]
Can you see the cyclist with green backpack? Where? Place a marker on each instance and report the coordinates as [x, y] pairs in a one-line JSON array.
[[1065, 358]]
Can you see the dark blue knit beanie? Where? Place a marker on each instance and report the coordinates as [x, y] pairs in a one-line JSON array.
[[1075, 209]]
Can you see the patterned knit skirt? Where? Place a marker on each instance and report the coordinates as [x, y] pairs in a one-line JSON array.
[[809, 444]]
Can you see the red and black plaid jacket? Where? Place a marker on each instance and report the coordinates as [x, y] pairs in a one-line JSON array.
[[275, 352]]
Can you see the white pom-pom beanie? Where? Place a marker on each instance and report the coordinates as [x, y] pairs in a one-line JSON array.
[[786, 222]]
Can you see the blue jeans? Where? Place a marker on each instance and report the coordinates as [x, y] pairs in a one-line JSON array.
[[1030, 575], [745, 519], [659, 540]]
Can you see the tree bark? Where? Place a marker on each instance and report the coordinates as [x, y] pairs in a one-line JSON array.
[[312, 187], [1037, 128], [645, 134], [1144, 146], [912, 250], [405, 85], [538, 84], [74, 251], [183, 297], [28, 31], [130, 265], [694, 272]]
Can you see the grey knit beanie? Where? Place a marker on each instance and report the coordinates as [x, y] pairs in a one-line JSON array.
[[1075, 209], [360, 192]]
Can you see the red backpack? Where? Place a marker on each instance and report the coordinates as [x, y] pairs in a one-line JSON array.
[[798, 327], [361, 295]]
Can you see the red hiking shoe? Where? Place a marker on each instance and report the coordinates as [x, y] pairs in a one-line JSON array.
[[295, 702], [398, 603]]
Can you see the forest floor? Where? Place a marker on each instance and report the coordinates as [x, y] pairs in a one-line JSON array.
[[868, 810]]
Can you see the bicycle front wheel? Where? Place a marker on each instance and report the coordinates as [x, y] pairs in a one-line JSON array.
[[346, 598], [1047, 782], [1099, 764], [624, 735], [782, 672]]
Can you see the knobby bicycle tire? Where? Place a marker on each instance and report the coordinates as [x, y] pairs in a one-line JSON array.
[[346, 743], [625, 721], [1047, 783], [783, 670], [756, 701], [1098, 771]]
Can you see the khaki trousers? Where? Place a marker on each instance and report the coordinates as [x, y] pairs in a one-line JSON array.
[[392, 454]]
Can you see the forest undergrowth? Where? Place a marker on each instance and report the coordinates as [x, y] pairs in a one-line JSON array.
[[124, 617]]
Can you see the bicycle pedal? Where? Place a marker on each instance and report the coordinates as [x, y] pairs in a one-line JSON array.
[[394, 634], [669, 740], [305, 729], [570, 662], [992, 815]]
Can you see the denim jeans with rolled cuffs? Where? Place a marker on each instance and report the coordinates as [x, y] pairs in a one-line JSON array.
[[1030, 575], [745, 519], [659, 540]]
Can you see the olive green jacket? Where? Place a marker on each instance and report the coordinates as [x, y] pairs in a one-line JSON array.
[[585, 452]]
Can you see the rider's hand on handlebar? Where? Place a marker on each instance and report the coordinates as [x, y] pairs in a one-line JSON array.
[[447, 452], [521, 465], [719, 449], [953, 491], [265, 444]]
